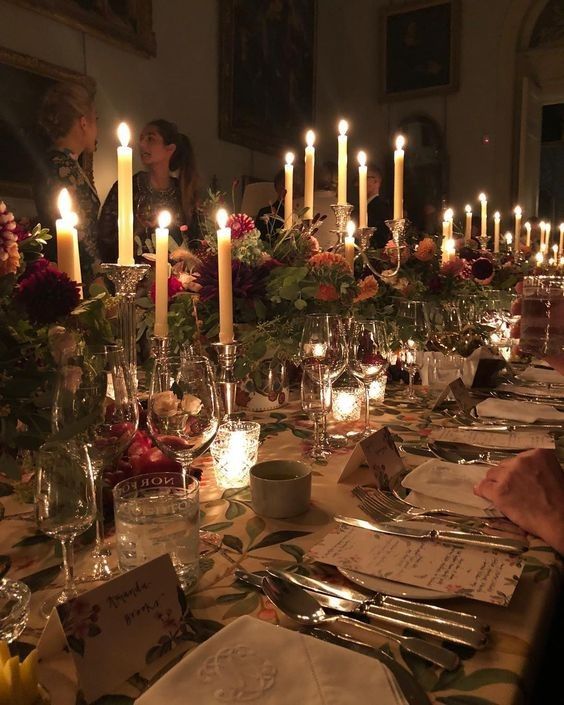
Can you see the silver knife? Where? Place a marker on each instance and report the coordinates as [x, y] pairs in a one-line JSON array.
[[453, 538], [409, 687], [474, 639], [408, 608]]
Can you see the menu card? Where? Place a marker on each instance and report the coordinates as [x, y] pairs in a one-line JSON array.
[[458, 390], [488, 576], [512, 440], [97, 640]]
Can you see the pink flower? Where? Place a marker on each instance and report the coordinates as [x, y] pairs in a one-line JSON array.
[[240, 225], [426, 250]]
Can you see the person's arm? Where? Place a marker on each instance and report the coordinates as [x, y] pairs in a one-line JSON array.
[[529, 490], [108, 227]]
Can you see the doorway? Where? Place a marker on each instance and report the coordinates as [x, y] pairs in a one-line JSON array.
[[551, 186]]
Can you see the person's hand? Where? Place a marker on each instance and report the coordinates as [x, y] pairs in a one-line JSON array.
[[529, 490]]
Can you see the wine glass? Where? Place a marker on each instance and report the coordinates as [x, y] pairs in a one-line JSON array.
[[95, 402], [65, 504], [183, 410], [368, 359], [316, 401], [409, 356], [324, 341]]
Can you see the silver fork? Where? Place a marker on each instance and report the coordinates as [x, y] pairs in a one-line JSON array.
[[378, 508]]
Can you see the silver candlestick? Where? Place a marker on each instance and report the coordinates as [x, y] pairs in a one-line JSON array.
[[398, 228], [342, 213], [226, 356], [160, 347], [126, 278]]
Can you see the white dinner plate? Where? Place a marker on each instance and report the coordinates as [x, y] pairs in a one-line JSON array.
[[390, 587]]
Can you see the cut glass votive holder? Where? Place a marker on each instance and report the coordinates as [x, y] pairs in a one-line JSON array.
[[234, 451], [377, 390], [347, 403]]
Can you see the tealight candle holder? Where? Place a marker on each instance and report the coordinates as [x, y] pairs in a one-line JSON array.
[[234, 452], [377, 390], [347, 403]]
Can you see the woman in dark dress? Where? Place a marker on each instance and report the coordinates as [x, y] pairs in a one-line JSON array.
[[68, 117], [163, 150]]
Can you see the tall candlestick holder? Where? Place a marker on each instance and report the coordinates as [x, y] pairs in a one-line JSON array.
[[398, 228], [484, 239], [342, 213], [126, 278], [160, 347], [226, 357]]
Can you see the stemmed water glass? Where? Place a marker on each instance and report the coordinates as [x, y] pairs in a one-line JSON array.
[[316, 401], [65, 504], [368, 359], [95, 403], [183, 410], [324, 341]]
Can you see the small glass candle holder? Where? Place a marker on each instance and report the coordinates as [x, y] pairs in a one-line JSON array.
[[234, 451], [378, 388], [347, 403]]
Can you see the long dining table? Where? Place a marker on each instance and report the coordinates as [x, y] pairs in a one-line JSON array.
[[502, 674]]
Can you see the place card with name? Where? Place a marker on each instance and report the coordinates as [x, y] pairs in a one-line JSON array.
[[96, 641], [482, 438], [458, 390], [378, 451], [488, 576]]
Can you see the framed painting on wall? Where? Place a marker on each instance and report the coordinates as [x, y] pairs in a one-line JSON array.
[[266, 71], [25, 80], [127, 23], [420, 48]]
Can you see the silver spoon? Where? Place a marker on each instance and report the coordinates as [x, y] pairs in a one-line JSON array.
[[302, 607]]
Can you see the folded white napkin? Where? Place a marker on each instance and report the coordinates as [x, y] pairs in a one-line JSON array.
[[525, 411], [542, 374], [250, 660], [437, 484]]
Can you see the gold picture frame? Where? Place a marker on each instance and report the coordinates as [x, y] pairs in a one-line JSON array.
[[24, 80], [267, 69], [129, 25], [420, 49]]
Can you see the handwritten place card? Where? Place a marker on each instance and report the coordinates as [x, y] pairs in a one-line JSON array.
[[379, 452], [488, 576], [96, 641], [458, 390], [512, 440]]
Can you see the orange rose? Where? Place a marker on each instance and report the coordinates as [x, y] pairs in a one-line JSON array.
[[326, 292], [367, 288], [426, 250], [329, 259]]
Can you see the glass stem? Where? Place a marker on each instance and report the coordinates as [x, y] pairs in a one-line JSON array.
[[410, 389], [366, 408], [99, 511], [316, 435], [68, 563]]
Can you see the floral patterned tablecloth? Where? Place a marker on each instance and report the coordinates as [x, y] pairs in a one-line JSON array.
[[502, 673]]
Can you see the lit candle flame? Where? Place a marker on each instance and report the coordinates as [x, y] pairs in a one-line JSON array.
[[310, 138], [164, 219], [351, 228], [482, 197], [539, 258], [508, 238], [361, 158], [289, 158], [343, 127], [468, 209], [518, 210], [124, 135], [400, 142], [221, 218], [449, 214], [497, 216], [64, 204]]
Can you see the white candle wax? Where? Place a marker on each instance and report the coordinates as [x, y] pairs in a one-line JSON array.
[[528, 234], [289, 197], [398, 177], [561, 247], [68, 258], [125, 197], [497, 223], [468, 228], [342, 164], [349, 244], [362, 191], [484, 214], [226, 334], [308, 177], [161, 276], [518, 215]]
